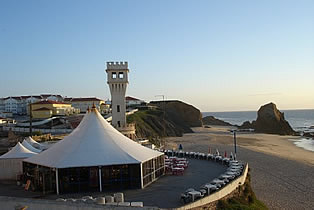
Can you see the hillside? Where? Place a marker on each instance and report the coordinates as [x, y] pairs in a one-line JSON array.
[[177, 120]]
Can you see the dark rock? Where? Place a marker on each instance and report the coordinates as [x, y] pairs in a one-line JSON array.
[[211, 120], [180, 111], [270, 120], [175, 121], [308, 135], [246, 125]]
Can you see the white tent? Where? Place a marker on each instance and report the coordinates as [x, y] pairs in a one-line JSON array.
[[30, 147], [11, 162], [34, 143], [95, 143], [18, 151]]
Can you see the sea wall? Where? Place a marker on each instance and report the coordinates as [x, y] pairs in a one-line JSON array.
[[38, 204], [226, 190]]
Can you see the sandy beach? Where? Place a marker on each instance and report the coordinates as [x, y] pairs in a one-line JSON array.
[[282, 173], [281, 146]]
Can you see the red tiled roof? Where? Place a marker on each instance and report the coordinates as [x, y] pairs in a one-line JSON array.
[[48, 102], [42, 109], [86, 99], [67, 99], [45, 95], [39, 97], [24, 97], [129, 98]]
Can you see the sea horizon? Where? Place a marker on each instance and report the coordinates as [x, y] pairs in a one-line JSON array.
[[301, 120], [297, 118]]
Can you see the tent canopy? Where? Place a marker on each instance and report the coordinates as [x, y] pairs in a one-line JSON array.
[[18, 151], [93, 143], [33, 142], [30, 147]]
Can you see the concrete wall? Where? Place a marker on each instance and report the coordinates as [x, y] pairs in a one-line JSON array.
[[36, 204], [229, 188], [9, 168]]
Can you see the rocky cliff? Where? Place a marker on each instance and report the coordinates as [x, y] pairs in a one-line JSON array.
[[181, 112], [270, 120], [176, 120], [211, 120]]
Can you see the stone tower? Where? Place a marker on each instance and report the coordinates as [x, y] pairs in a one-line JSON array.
[[117, 79]]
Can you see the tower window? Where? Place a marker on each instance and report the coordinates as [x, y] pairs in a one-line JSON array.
[[119, 125], [114, 75], [120, 75], [118, 108]]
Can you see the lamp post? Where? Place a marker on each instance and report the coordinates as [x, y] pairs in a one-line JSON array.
[[235, 142], [30, 119], [163, 117]]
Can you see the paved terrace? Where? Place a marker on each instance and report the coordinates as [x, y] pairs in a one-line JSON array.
[[164, 193]]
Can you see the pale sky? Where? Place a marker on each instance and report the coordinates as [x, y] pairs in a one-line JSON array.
[[216, 55]]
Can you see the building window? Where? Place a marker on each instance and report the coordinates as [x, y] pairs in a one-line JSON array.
[[114, 75], [118, 108], [120, 75], [119, 125]]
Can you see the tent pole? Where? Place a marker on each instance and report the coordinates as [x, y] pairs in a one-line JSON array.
[[57, 181], [141, 175], [99, 175], [154, 168]]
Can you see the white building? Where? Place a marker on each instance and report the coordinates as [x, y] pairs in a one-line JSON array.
[[13, 104], [20, 104], [2, 107], [51, 97], [131, 101], [84, 103]]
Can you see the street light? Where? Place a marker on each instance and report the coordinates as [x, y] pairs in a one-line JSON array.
[[164, 112], [235, 142]]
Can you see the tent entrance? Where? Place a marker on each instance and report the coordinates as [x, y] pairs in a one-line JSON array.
[[45, 180], [120, 177], [81, 179]]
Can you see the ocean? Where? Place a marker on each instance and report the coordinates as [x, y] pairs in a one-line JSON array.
[[300, 120]]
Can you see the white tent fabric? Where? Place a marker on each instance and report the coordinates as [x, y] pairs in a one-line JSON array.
[[30, 147], [93, 143], [18, 151], [34, 143]]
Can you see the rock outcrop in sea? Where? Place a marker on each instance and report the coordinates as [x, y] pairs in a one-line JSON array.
[[270, 120], [211, 120]]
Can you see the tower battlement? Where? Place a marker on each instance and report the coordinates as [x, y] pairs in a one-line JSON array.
[[117, 65]]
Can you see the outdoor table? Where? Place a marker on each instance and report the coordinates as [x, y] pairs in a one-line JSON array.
[[209, 187], [218, 181], [193, 194], [180, 165], [177, 171], [185, 163]]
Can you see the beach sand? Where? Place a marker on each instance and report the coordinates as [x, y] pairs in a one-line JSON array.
[[281, 146], [282, 173]]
